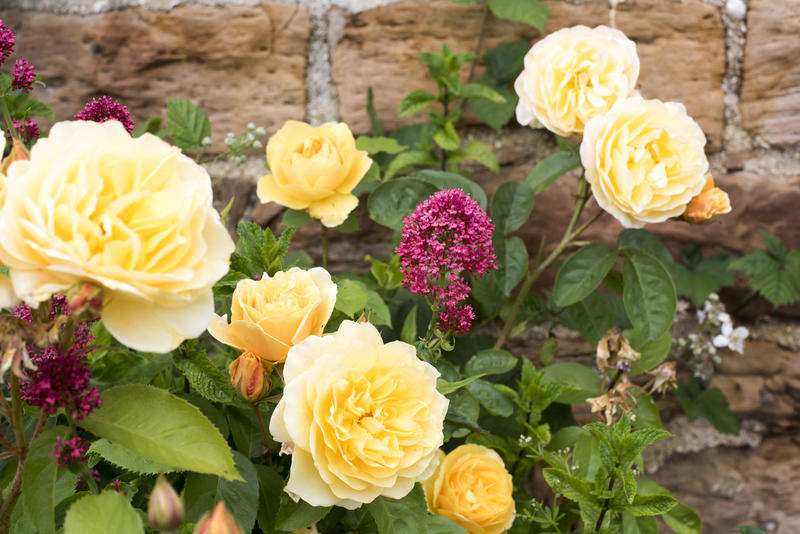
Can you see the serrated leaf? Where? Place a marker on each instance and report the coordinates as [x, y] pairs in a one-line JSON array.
[[447, 137], [648, 294], [684, 520], [94, 514], [696, 282], [400, 516], [258, 251], [187, 123], [477, 151], [756, 262], [39, 480], [449, 180], [373, 145], [512, 204], [647, 505], [774, 245], [492, 400], [414, 102], [551, 169], [392, 201], [446, 387], [585, 381], [161, 427], [206, 379], [39, 108], [532, 12], [118, 455], [490, 362], [582, 273]]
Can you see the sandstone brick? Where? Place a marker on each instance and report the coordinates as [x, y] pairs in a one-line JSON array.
[[239, 64], [680, 45], [770, 102]]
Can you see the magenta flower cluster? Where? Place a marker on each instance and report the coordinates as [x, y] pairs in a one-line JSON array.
[[70, 451], [60, 380], [28, 131], [105, 109], [7, 39], [23, 76], [446, 240]]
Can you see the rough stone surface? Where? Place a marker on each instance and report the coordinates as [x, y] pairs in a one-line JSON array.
[[771, 87], [239, 64], [378, 49]]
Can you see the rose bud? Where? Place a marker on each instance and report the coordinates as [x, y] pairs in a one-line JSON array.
[[165, 508], [250, 376], [219, 521], [710, 202], [18, 153]]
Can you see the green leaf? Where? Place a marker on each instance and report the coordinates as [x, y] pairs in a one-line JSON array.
[[445, 387], [549, 351], [491, 399], [494, 114], [648, 294], [187, 123], [258, 251], [118, 455], [449, 180], [151, 126], [394, 200], [375, 122], [477, 151], [298, 515], [774, 245], [161, 427], [407, 159], [401, 516], [373, 145], [206, 379], [447, 137], [716, 409], [653, 351], [646, 412], [551, 169], [94, 514], [565, 438], [369, 181], [582, 273], [437, 524], [409, 330], [684, 520], [647, 505], [505, 61], [490, 362], [585, 381], [351, 297], [39, 108], [39, 480], [512, 204], [708, 276], [481, 91], [782, 286], [638, 525], [755, 263], [377, 310], [745, 530], [639, 239], [594, 315], [512, 257], [532, 12], [296, 218], [415, 101], [270, 485]]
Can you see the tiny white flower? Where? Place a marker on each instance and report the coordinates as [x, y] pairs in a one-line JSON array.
[[732, 338], [251, 126], [723, 318], [256, 144], [206, 141]]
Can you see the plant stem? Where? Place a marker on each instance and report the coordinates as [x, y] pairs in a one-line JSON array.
[[569, 234], [7, 119], [262, 426], [445, 104], [605, 507], [16, 406], [21, 449], [324, 246]]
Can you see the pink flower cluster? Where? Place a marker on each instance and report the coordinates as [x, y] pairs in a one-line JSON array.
[[70, 451], [446, 239], [28, 131], [105, 109], [23, 76], [60, 380], [7, 39]]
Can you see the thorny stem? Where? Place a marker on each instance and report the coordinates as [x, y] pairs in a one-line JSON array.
[[569, 234], [324, 246]]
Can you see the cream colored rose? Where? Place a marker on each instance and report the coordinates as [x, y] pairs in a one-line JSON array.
[[644, 160], [573, 75], [314, 169], [133, 216], [361, 418], [471, 487], [270, 315], [7, 296]]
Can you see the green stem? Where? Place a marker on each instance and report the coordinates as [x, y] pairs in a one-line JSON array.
[[445, 105], [530, 278], [7, 118], [602, 516], [324, 246], [21, 449], [262, 427], [16, 405]]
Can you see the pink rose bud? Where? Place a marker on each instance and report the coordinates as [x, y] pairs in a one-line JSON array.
[[165, 508], [219, 521], [250, 376]]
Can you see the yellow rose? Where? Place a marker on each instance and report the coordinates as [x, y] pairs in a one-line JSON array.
[[644, 160], [133, 216], [7, 296], [710, 202], [361, 418], [270, 315], [471, 487], [314, 169], [573, 75]]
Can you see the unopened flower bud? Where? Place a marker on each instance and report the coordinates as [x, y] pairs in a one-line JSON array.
[[250, 376], [219, 521], [165, 508], [710, 202], [85, 297], [18, 153]]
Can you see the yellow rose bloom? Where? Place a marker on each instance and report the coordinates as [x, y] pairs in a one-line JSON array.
[[270, 315], [314, 169], [7, 296], [472, 487], [361, 418], [573, 75], [132, 216], [644, 160]]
